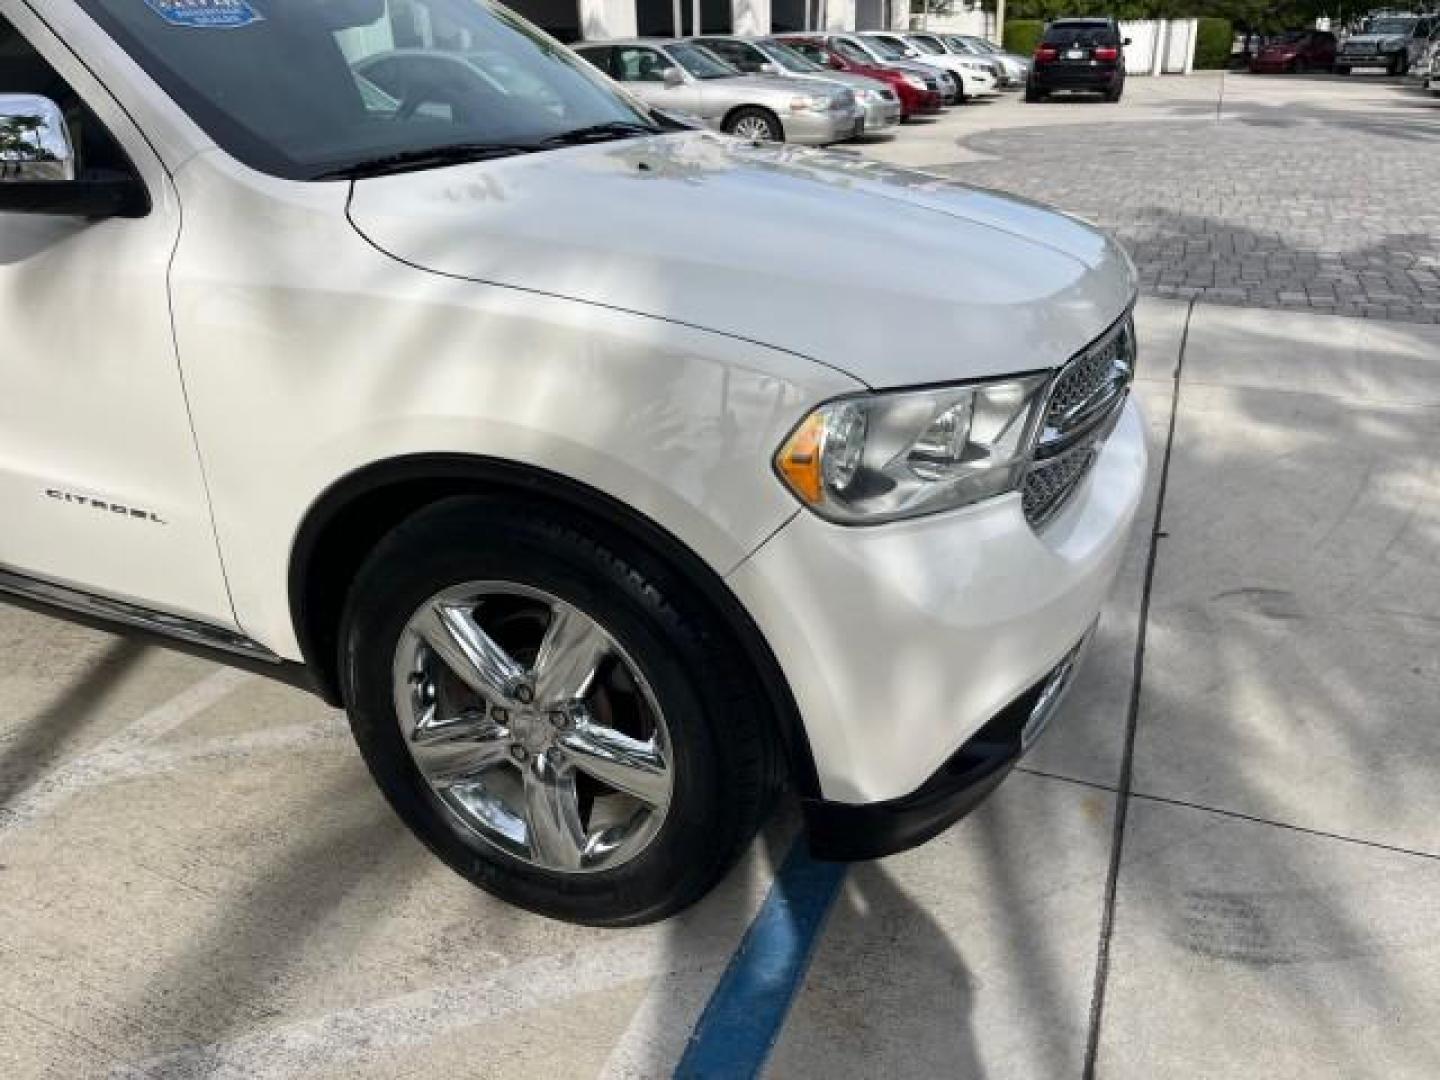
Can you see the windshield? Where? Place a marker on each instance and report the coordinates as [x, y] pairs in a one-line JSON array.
[[925, 45], [981, 45], [886, 48], [1391, 26], [1289, 37], [312, 88], [788, 58], [701, 63]]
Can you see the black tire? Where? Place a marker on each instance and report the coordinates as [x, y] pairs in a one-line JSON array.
[[1114, 95], [1341, 69], [1299, 67], [759, 117], [1033, 95], [1400, 65], [726, 757]]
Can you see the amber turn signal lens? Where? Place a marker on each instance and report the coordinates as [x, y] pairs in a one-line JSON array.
[[799, 459]]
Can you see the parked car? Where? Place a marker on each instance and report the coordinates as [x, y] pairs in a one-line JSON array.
[[682, 77], [1014, 68], [877, 53], [880, 102], [1432, 73], [1296, 52], [1079, 54], [919, 91], [1393, 42], [500, 425], [974, 77]]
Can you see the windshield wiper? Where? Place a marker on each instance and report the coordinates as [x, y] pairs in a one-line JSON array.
[[429, 158], [613, 129]]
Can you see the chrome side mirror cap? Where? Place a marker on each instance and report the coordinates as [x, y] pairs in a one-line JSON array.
[[673, 76], [39, 173], [34, 140]]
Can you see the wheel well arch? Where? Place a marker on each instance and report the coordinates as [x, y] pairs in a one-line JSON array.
[[346, 523]]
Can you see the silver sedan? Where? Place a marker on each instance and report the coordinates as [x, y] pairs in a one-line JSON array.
[[683, 77], [761, 57]]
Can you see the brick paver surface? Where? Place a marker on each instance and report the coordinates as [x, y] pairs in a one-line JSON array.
[[1330, 210]]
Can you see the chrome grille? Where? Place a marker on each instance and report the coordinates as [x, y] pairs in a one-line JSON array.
[[1084, 402], [1049, 483]]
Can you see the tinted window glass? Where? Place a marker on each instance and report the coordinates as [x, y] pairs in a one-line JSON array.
[[1085, 36], [281, 92], [639, 65]]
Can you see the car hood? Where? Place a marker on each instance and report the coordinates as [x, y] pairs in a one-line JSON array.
[[894, 277]]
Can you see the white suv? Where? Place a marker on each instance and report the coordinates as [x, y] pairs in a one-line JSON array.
[[613, 475]]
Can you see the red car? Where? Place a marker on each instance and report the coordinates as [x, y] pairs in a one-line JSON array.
[[915, 98], [1296, 51]]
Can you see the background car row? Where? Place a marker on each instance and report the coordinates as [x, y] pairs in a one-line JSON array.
[[813, 89]]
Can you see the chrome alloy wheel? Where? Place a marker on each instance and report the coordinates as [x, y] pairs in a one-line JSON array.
[[533, 727], [754, 128]]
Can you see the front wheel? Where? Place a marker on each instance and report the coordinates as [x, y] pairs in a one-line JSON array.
[[1341, 69], [757, 125], [1033, 95], [1113, 94], [1399, 65], [553, 714]]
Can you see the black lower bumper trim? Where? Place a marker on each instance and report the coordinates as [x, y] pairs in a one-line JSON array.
[[844, 832]]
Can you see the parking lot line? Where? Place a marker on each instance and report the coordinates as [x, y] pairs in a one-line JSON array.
[[412, 1019], [119, 754], [743, 1019]]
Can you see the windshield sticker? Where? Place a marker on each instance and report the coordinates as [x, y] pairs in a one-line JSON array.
[[206, 14]]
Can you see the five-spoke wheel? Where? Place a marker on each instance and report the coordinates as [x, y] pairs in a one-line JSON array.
[[555, 710], [533, 726]]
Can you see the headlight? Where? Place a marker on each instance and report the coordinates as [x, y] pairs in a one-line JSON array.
[[805, 104], [915, 81], [880, 457]]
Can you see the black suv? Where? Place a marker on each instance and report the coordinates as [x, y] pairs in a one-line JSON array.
[[1079, 54]]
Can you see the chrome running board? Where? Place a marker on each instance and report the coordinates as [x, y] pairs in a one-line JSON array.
[[106, 610]]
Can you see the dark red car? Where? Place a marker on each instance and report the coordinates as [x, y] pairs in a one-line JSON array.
[[916, 97], [1296, 51]]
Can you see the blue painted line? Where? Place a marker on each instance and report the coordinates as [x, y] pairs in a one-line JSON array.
[[743, 1018]]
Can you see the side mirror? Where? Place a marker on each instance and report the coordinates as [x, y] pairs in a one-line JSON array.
[[37, 167], [34, 140], [673, 77], [768, 69]]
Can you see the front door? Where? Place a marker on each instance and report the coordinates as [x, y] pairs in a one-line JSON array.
[[100, 481]]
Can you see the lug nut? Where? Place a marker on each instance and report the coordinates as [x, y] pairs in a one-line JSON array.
[[500, 716], [523, 693], [519, 753], [560, 720]]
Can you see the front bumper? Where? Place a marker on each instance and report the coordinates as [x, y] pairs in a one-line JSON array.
[[900, 642], [823, 128], [845, 831], [980, 85], [881, 116]]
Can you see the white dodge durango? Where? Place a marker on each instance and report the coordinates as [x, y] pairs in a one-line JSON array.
[[613, 475]]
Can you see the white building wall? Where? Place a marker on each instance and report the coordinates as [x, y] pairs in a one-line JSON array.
[[602, 20], [750, 17]]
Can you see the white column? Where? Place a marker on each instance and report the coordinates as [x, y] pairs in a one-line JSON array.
[[840, 15], [602, 20], [750, 17]]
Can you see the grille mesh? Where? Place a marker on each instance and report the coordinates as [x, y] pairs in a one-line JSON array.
[[1060, 465], [1050, 483]]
